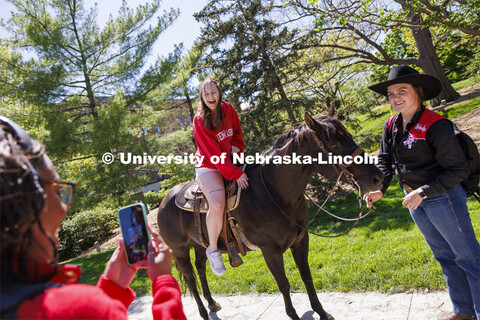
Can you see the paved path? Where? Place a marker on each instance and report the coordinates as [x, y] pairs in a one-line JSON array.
[[343, 306]]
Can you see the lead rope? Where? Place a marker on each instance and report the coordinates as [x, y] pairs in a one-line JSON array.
[[360, 216], [321, 208]]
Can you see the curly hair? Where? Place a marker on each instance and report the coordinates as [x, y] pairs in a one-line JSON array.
[[203, 111], [22, 199]]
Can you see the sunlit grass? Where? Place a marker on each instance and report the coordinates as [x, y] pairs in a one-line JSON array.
[[461, 108], [465, 83]]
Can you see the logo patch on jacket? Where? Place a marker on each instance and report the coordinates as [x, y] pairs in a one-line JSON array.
[[224, 134], [420, 127], [409, 142]]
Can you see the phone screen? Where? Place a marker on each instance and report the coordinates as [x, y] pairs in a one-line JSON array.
[[135, 233]]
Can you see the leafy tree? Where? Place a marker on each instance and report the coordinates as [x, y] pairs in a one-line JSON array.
[[366, 23], [455, 51], [8, 80], [462, 15]]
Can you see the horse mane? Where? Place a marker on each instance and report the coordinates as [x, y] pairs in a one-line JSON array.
[[283, 140], [331, 125]]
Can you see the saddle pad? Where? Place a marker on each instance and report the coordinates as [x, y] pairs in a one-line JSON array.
[[185, 199]]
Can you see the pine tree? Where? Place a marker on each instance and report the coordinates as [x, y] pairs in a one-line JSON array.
[[87, 83]]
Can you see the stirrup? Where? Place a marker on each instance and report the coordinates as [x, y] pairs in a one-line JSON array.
[[233, 256]]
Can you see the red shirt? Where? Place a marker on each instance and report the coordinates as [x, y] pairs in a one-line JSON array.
[[107, 300], [215, 142]]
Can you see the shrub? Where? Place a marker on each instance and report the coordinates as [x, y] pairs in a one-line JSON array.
[[154, 198], [80, 231], [474, 67]]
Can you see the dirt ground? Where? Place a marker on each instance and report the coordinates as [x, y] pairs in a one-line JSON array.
[[355, 306]]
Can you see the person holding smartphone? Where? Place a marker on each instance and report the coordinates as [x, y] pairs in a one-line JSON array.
[[217, 133], [34, 285]]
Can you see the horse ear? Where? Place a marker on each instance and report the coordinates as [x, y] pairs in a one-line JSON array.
[[310, 122], [331, 108]]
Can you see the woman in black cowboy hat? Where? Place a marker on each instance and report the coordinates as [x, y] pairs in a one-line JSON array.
[[420, 145]]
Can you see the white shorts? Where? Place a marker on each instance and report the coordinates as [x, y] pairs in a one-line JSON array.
[[200, 171]]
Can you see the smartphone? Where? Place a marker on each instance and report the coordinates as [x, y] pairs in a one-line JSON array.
[[135, 234]]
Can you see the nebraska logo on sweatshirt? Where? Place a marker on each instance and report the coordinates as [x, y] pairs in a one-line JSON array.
[[224, 134]]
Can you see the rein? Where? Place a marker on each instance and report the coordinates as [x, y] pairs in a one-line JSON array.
[[343, 171]]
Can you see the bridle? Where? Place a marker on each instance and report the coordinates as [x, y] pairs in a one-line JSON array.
[[343, 167], [343, 170]]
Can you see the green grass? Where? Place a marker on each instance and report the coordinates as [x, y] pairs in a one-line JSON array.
[[465, 83], [385, 252], [94, 265], [375, 124], [461, 108]]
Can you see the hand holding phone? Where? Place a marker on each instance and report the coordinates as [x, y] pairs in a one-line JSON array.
[[117, 268], [121, 269], [159, 256], [135, 234]]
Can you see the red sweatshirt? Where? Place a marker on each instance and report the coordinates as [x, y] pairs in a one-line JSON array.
[[107, 300], [215, 142]]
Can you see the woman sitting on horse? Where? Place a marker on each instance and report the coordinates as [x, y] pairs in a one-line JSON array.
[[217, 133]]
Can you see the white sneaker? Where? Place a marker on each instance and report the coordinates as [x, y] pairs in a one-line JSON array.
[[216, 263]]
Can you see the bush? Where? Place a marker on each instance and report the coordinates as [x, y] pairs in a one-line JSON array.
[[154, 198], [369, 142], [80, 231]]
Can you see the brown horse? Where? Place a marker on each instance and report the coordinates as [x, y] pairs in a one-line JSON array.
[[272, 212]]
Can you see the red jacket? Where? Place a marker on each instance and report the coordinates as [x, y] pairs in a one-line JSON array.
[[215, 142], [107, 300]]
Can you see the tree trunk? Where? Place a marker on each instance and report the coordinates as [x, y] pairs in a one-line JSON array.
[[429, 61], [189, 103], [190, 109], [278, 85], [91, 96]]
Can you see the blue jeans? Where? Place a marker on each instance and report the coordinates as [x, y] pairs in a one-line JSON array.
[[445, 223]]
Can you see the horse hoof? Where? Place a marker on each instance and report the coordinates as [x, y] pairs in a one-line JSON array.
[[215, 306]]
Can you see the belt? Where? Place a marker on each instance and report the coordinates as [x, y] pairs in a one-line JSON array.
[[407, 187]]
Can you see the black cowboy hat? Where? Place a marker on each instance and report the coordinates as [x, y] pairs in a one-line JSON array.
[[403, 74]]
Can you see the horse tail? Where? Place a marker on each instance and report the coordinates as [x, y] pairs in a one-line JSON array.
[[181, 277]]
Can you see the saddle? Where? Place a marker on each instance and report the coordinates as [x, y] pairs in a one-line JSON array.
[[188, 195], [191, 198]]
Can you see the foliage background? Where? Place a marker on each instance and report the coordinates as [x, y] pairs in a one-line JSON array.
[[85, 89]]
